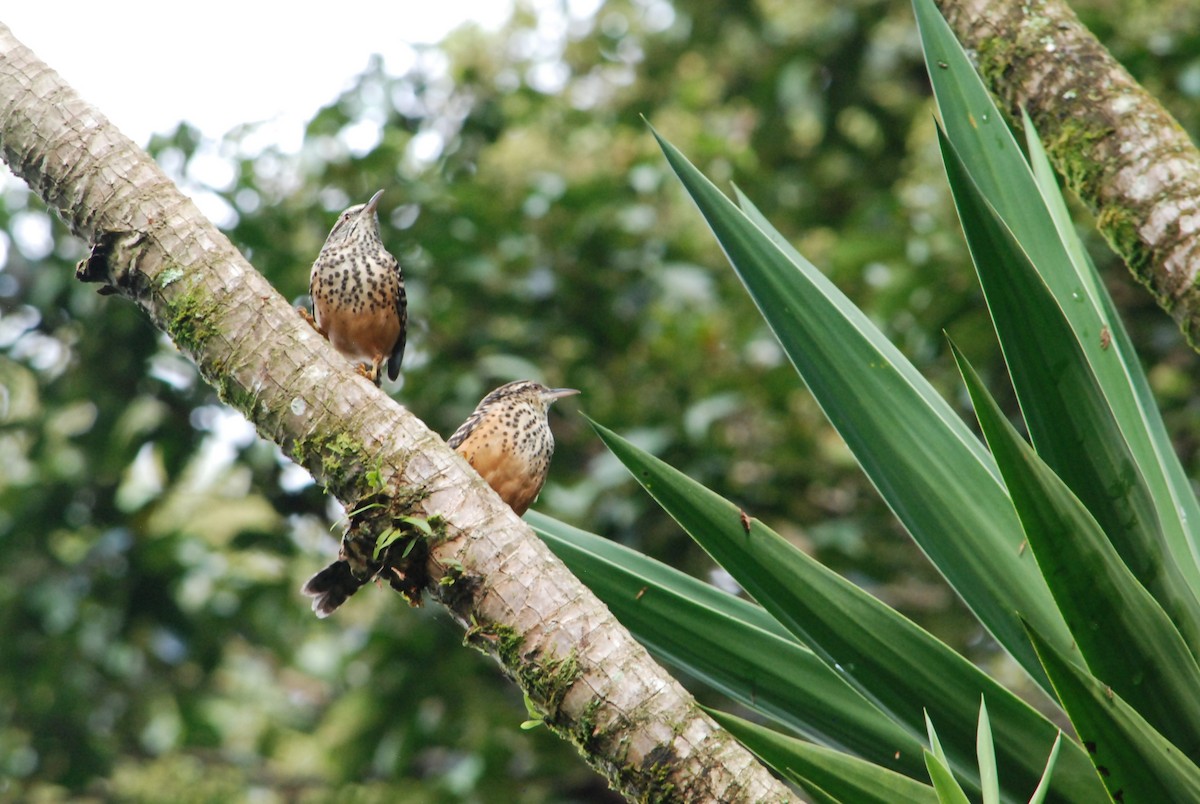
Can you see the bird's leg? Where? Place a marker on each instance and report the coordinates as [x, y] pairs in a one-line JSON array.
[[307, 316]]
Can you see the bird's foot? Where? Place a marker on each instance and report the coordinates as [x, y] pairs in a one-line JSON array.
[[370, 371], [307, 316]]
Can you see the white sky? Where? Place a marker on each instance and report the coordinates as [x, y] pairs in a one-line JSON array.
[[223, 63]]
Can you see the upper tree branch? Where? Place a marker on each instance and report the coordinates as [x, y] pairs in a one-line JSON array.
[[596, 685], [1121, 152]]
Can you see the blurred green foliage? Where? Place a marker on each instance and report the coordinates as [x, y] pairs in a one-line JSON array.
[[151, 547]]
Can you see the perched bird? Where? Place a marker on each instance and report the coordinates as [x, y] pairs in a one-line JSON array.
[[357, 291], [507, 440]]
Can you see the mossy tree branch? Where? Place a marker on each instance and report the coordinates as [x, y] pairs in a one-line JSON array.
[[1120, 151], [593, 683]]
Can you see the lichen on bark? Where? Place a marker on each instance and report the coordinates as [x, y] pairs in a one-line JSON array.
[[1118, 149]]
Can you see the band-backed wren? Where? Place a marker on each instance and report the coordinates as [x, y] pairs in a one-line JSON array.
[[507, 440], [357, 290]]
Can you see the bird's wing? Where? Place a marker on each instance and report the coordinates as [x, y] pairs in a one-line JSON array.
[[463, 431]]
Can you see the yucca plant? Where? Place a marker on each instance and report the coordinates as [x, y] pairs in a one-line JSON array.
[[1078, 553]]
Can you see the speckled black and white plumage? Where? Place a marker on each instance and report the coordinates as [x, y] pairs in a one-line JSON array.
[[507, 440], [357, 288]]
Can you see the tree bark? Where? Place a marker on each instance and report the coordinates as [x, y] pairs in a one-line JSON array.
[[1119, 150], [592, 682]]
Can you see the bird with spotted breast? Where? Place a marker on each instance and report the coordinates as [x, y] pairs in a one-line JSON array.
[[507, 440], [358, 297]]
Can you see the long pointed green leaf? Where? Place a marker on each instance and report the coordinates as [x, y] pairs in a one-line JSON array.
[[1043, 788], [598, 555], [732, 645], [835, 774], [978, 131], [1136, 763], [1155, 453], [985, 751], [893, 662], [927, 465], [1124, 635], [1068, 416], [1060, 216], [935, 744], [814, 792], [947, 789]]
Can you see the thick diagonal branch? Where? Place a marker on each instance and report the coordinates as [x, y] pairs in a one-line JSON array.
[[594, 683], [1121, 152]]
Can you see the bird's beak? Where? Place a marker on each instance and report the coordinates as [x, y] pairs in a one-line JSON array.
[[373, 203], [552, 394]]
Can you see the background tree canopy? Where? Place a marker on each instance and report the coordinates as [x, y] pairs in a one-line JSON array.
[[152, 546]]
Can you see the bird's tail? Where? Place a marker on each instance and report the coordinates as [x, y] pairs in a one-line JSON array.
[[330, 588]]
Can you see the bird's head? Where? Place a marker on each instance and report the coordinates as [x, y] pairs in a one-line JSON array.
[[358, 222], [527, 391]]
